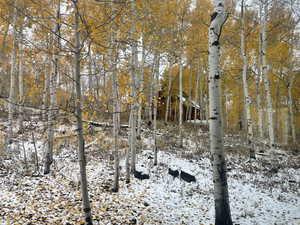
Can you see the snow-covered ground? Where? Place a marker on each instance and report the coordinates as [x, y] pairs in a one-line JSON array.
[[257, 196]]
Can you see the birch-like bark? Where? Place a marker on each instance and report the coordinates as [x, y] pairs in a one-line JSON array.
[[259, 103], [155, 89], [48, 157], [258, 83], [247, 100], [90, 78], [113, 52], [180, 102], [197, 91], [46, 91], [141, 88], [266, 78], [13, 75], [168, 97], [291, 112], [150, 99], [81, 154], [21, 80], [189, 112], [221, 196], [134, 86]]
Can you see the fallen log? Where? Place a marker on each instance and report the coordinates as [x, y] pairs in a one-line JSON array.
[[103, 124]]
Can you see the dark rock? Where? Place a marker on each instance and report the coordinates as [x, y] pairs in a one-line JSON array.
[[173, 173], [139, 175], [187, 177]]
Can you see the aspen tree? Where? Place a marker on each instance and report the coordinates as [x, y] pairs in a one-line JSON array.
[[21, 78], [221, 196], [133, 111], [180, 102], [113, 58], [266, 76], [155, 89], [13, 74], [247, 100], [168, 93], [189, 109], [81, 154], [141, 88], [197, 90], [292, 129], [258, 83], [48, 157]]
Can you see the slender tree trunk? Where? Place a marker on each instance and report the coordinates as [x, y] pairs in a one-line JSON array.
[[189, 114], [90, 78], [291, 112], [180, 102], [21, 81], [222, 207], [156, 85], [48, 157], [150, 105], [141, 90], [81, 154], [134, 88], [247, 100], [46, 91], [277, 111], [258, 85], [13, 75], [197, 91], [259, 104], [266, 78], [168, 97], [113, 52]]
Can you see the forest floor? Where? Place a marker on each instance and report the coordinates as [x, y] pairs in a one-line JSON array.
[[262, 191]]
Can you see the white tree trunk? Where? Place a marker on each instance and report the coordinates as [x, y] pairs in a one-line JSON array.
[[291, 112], [21, 81], [168, 97], [197, 91], [155, 89], [48, 157], [222, 207], [180, 102], [247, 100], [81, 155], [150, 100], [259, 104], [113, 55], [134, 88], [13, 74], [46, 91], [258, 84], [141, 91], [266, 78], [189, 110], [90, 78]]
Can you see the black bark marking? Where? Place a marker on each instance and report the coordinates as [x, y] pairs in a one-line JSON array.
[[213, 118], [217, 76], [213, 16], [86, 210], [216, 43]]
